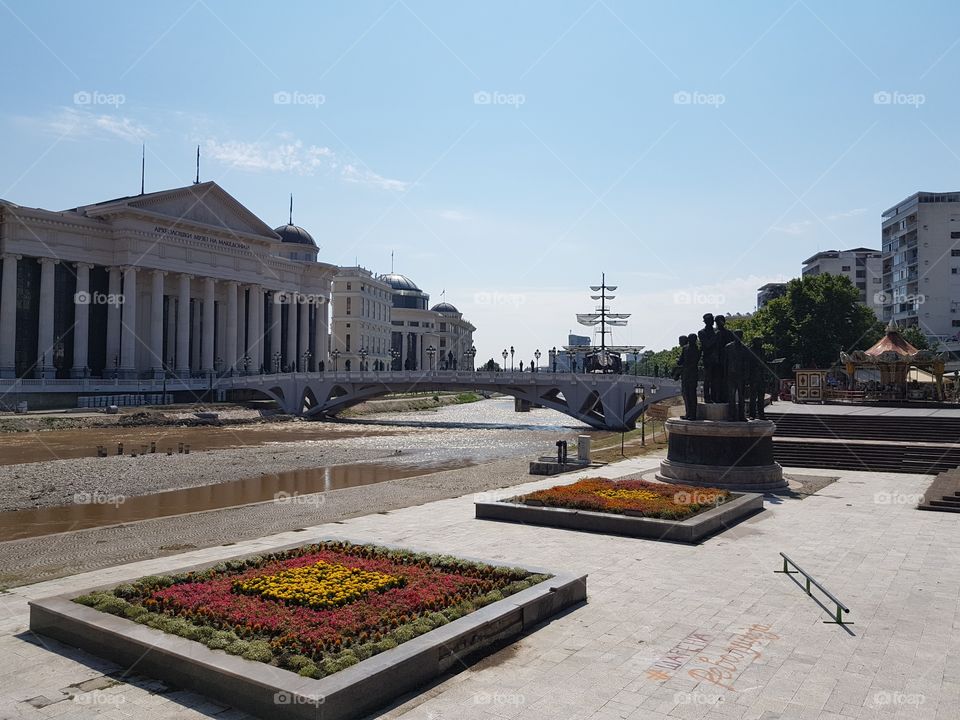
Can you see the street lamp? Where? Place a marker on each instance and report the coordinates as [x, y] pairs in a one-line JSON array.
[[511, 358], [306, 360], [277, 357], [431, 353], [553, 358], [246, 364], [536, 354], [395, 354], [570, 356], [505, 353], [335, 354], [363, 358], [469, 354]]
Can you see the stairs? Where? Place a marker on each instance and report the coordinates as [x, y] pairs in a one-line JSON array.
[[943, 487], [924, 445]]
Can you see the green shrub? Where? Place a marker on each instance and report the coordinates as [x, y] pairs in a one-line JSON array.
[[310, 670], [221, 639], [260, 651], [296, 662], [237, 647], [112, 605]]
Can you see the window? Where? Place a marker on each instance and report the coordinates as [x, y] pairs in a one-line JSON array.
[[955, 252], [347, 345], [844, 268], [861, 273], [349, 286], [349, 303], [956, 323], [954, 235]]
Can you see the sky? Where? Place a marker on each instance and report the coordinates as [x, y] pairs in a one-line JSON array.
[[507, 153]]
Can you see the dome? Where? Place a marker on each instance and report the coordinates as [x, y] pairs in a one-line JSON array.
[[400, 282], [444, 307], [295, 234]]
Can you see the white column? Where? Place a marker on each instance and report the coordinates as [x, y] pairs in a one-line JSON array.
[[275, 318], [255, 332], [183, 327], [156, 323], [208, 324], [113, 322], [320, 336], [195, 336], [171, 333], [8, 317], [45, 326], [241, 325], [81, 322], [304, 344], [291, 331], [230, 351], [128, 333]]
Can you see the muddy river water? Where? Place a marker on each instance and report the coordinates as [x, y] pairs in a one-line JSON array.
[[448, 438]]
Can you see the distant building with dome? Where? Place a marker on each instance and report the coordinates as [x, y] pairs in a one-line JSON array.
[[413, 335]]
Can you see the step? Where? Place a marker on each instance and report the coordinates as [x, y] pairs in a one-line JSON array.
[[939, 508]]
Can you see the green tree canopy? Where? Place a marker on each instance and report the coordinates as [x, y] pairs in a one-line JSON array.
[[818, 317]]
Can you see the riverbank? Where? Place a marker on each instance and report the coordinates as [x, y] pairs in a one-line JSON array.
[[42, 558]]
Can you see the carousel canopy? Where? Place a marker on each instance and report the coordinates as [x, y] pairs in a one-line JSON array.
[[892, 342]]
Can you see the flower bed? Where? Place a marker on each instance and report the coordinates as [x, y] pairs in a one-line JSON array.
[[633, 497], [314, 609]]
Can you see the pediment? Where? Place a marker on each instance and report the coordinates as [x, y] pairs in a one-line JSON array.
[[204, 204]]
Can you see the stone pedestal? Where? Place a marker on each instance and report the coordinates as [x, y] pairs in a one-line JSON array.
[[718, 453]]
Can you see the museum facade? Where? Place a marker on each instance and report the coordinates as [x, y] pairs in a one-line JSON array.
[[186, 282]]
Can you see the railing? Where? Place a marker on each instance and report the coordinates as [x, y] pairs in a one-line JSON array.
[[841, 608]]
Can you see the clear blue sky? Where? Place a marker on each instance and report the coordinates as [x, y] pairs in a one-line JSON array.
[[507, 152]]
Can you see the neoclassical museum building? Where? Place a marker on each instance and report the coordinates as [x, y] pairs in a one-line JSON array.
[[184, 281]]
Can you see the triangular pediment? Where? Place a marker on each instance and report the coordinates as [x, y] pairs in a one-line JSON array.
[[201, 204]]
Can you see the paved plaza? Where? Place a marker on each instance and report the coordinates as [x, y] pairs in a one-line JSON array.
[[669, 630]]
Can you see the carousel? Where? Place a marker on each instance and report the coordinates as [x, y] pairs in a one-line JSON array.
[[893, 369]]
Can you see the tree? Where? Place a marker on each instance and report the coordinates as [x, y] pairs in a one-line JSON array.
[[490, 366], [914, 335], [818, 317]]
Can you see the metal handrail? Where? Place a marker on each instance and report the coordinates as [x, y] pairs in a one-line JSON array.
[[841, 608]]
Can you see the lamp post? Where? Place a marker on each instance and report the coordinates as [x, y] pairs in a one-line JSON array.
[[470, 353], [395, 354], [246, 360], [335, 354], [570, 356], [277, 357], [511, 358], [306, 360], [504, 353], [536, 354], [431, 353], [363, 358], [553, 358]]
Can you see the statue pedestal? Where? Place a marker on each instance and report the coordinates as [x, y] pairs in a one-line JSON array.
[[712, 411], [717, 453]]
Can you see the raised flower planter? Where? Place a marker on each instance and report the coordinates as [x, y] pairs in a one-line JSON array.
[[636, 508], [331, 629]]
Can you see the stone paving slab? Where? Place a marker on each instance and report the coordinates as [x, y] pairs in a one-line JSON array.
[[669, 630]]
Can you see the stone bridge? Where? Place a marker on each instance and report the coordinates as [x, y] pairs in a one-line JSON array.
[[606, 402]]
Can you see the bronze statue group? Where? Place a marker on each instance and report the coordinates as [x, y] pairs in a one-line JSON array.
[[732, 372]]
